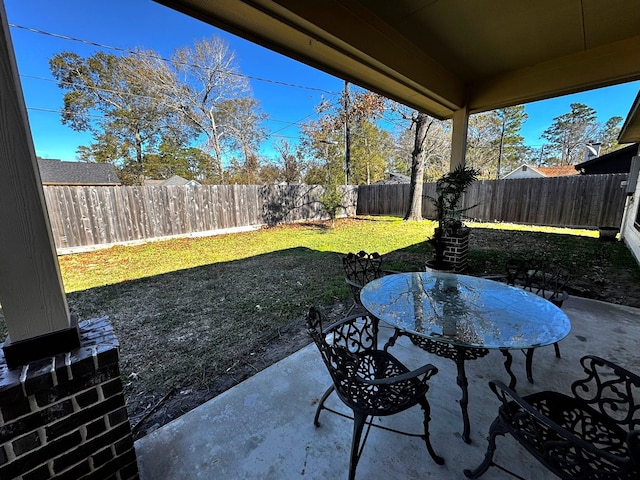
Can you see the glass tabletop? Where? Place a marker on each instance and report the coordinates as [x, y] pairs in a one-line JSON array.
[[466, 311]]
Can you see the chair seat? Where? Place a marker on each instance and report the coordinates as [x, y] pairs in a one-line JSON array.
[[597, 442], [382, 399], [575, 416]]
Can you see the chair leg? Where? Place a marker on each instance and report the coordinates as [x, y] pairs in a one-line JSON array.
[[424, 403], [321, 405], [359, 420], [497, 428], [557, 348]]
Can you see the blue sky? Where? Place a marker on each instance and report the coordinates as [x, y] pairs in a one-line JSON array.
[[142, 23]]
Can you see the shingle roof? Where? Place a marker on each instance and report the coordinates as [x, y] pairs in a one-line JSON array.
[[57, 172], [174, 180], [558, 171], [618, 161], [394, 178]]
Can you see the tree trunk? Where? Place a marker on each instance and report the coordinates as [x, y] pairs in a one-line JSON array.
[[417, 168]]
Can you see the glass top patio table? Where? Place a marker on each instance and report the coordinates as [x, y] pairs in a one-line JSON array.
[[461, 318], [465, 311]]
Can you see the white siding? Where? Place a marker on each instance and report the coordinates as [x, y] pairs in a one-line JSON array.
[[629, 233]]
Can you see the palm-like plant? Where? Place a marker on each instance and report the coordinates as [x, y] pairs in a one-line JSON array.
[[449, 190]]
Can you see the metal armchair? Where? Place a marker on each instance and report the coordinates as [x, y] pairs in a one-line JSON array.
[[544, 278], [592, 435], [370, 382], [359, 269]]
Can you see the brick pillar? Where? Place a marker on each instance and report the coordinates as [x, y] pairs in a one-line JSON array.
[[64, 417], [457, 250]]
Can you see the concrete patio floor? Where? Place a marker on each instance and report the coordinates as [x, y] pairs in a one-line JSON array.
[[263, 427]]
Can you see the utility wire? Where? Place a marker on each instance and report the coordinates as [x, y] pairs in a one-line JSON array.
[[137, 53], [136, 95], [95, 115]]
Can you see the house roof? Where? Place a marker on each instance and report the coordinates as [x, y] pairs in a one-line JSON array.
[[57, 172], [557, 171], [443, 56], [394, 179], [174, 180], [618, 161]]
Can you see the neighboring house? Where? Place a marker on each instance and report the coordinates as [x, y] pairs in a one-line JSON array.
[[531, 171], [175, 180], [394, 179], [630, 228], [57, 172], [618, 161]]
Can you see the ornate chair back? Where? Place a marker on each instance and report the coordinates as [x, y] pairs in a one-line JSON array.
[[359, 269], [594, 434]]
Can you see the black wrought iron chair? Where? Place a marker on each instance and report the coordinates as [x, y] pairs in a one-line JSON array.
[[359, 269], [546, 279], [592, 435], [370, 382]]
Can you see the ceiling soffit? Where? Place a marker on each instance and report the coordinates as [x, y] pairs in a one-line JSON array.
[[437, 55]]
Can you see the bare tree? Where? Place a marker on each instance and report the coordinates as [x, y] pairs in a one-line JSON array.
[[203, 80]]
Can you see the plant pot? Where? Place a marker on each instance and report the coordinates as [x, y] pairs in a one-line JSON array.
[[452, 248], [608, 234], [440, 266]]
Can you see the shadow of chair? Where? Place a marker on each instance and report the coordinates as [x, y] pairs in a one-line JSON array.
[[370, 382], [544, 278], [593, 434]]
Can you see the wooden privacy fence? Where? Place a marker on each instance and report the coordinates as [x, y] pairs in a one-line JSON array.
[[587, 201], [83, 216]]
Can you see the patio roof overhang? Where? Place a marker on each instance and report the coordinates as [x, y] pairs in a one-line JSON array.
[[445, 58], [442, 56]]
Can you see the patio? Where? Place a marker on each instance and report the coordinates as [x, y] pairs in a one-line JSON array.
[[263, 427]]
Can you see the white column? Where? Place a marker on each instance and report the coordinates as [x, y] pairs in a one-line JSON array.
[[31, 290], [459, 137]]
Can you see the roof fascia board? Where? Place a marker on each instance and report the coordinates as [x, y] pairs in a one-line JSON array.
[[630, 131], [599, 67]]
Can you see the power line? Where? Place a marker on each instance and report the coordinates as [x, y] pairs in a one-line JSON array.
[[296, 122], [136, 95], [133, 52], [95, 115], [92, 87]]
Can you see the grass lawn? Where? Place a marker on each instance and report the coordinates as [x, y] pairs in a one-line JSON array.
[[196, 316]]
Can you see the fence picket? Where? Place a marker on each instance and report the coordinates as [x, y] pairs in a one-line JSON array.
[[88, 215], [588, 201]]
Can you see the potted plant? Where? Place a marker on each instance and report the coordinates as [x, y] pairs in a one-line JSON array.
[[449, 190]]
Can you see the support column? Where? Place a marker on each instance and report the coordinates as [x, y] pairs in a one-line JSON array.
[[31, 290], [459, 137]]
